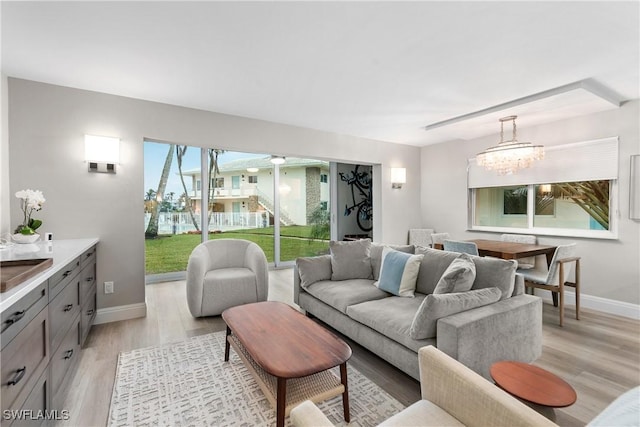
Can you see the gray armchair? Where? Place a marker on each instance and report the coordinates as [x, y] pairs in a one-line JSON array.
[[224, 273]]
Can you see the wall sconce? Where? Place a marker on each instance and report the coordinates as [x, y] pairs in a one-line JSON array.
[[102, 153], [398, 177], [277, 160]]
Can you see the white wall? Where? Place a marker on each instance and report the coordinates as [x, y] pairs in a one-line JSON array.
[[46, 149], [610, 268], [5, 196]]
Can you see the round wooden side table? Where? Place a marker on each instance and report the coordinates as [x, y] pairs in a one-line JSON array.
[[537, 387]]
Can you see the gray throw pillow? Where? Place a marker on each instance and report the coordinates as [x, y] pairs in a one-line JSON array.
[[458, 277], [313, 269], [351, 259], [437, 306], [496, 272]]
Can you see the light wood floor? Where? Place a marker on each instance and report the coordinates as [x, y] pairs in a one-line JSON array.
[[598, 355]]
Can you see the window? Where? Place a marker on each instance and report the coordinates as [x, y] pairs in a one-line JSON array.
[[197, 185], [323, 206], [253, 179], [568, 206], [572, 192], [218, 183], [324, 178]]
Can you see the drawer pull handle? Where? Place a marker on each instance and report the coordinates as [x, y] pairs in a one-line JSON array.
[[66, 273], [69, 354], [16, 316], [89, 279], [19, 374], [89, 312], [68, 307], [89, 254]]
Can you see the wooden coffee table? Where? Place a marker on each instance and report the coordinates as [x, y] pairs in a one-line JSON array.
[[288, 354], [533, 385]]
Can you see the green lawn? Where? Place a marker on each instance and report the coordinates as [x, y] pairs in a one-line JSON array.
[[171, 253]]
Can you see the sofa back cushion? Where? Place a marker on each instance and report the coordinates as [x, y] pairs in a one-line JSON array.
[[376, 255], [351, 259], [433, 265], [495, 272]]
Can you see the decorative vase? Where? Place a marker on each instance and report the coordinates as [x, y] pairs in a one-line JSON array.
[[25, 238]]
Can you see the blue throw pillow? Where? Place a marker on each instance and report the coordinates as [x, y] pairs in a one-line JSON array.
[[399, 272]]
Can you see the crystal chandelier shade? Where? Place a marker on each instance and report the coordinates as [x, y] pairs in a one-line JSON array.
[[509, 156]]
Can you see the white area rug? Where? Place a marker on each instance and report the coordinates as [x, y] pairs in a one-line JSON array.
[[189, 384]]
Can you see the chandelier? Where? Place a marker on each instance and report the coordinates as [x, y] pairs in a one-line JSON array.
[[509, 156]]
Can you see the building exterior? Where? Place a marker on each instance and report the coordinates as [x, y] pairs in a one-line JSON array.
[[243, 191]]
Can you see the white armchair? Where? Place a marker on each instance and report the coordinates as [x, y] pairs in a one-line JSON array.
[[224, 273]]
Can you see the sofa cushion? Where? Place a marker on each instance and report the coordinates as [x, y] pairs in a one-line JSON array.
[[342, 293], [351, 259], [376, 255], [314, 269], [495, 272], [436, 306], [458, 277], [391, 317], [399, 272], [434, 263]]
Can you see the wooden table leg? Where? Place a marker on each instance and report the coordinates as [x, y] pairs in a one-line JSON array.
[[345, 395], [227, 345], [281, 401]]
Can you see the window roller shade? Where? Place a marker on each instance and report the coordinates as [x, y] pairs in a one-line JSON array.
[[582, 161]]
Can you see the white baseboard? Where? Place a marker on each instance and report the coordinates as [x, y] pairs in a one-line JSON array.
[[121, 312], [609, 306]]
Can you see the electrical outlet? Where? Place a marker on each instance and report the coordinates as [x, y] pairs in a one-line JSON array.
[[108, 287]]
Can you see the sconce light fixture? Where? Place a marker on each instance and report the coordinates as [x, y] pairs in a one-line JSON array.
[[102, 153], [277, 160], [398, 177]]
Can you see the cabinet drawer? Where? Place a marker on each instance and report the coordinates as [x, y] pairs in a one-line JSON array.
[[23, 361], [63, 362], [16, 317], [37, 403], [88, 257], [62, 310], [58, 281], [88, 314], [87, 281]]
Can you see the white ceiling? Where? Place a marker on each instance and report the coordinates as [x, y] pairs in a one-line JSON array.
[[381, 70]]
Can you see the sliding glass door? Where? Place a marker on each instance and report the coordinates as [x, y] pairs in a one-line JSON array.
[[283, 208]]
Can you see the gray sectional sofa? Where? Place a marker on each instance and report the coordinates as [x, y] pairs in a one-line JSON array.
[[494, 320]]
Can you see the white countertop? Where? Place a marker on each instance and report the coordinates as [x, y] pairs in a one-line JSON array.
[[62, 252]]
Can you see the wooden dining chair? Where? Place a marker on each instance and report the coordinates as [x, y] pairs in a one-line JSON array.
[[420, 236], [528, 262], [437, 239], [557, 276], [460, 246]]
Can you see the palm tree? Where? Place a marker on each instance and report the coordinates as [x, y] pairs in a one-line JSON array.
[[150, 195], [214, 153], [180, 152], [152, 227]]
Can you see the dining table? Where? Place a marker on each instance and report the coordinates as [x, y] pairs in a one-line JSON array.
[[513, 250]]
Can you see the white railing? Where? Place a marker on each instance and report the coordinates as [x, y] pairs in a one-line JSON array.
[[180, 222], [243, 191]]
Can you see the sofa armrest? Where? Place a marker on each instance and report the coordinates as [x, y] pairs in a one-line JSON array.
[[510, 329], [308, 414], [467, 396]]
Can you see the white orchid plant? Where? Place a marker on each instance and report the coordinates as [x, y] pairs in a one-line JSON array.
[[31, 200]]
